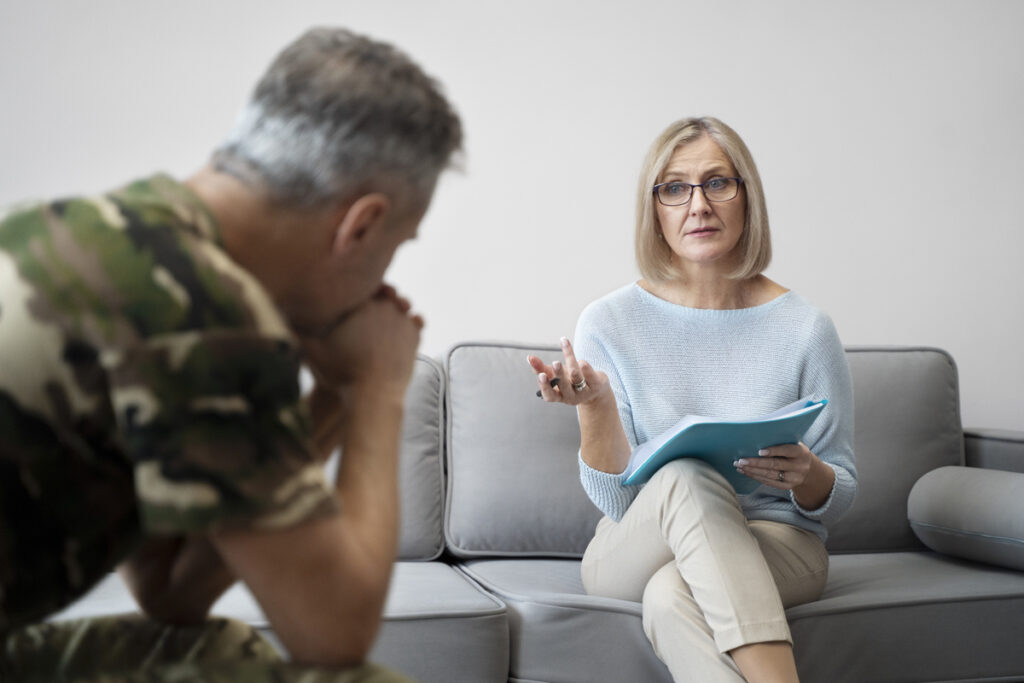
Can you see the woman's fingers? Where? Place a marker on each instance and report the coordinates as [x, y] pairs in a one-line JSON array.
[[573, 373], [561, 378], [782, 467], [548, 391], [547, 379], [539, 366]]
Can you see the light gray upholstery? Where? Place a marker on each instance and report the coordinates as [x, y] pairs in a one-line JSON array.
[[997, 449], [883, 617], [513, 498], [559, 633], [514, 487], [912, 616], [438, 627], [421, 468], [971, 512], [907, 422]]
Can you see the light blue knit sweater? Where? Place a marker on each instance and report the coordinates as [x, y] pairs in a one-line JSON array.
[[665, 361]]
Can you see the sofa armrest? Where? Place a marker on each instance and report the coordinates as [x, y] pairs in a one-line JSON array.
[[970, 512], [995, 449]]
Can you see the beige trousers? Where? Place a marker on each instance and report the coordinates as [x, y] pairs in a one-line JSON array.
[[709, 580]]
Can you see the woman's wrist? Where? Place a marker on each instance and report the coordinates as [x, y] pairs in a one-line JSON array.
[[817, 487], [603, 444]]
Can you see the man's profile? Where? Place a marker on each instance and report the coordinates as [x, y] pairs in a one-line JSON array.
[[151, 343]]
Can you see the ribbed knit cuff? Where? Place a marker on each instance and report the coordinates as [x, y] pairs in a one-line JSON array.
[[839, 500], [606, 491]]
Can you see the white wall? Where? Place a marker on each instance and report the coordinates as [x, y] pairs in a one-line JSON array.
[[888, 135]]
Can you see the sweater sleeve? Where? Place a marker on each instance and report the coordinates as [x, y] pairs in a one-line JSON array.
[[826, 374], [604, 489]]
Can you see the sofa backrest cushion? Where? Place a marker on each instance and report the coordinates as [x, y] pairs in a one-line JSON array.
[[421, 470], [513, 485], [513, 478], [907, 423]]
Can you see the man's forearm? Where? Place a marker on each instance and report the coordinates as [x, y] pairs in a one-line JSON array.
[[326, 410], [176, 579], [367, 482]]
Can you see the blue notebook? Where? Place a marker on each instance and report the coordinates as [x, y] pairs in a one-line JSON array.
[[720, 442]]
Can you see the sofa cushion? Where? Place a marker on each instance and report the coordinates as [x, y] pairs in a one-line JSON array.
[[421, 467], [559, 633], [911, 616], [972, 513], [907, 422], [513, 486], [441, 628]]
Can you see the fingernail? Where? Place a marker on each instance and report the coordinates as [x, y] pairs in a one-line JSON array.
[[739, 463], [763, 451], [542, 377], [557, 365], [565, 341]]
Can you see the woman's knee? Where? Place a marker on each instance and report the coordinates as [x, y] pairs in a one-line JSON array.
[[685, 477], [662, 593], [687, 471]]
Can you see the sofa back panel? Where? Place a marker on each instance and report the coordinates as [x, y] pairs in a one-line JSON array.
[[907, 414], [421, 470], [513, 478], [995, 449]]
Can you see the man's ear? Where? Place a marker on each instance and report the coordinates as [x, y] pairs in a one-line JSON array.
[[358, 220]]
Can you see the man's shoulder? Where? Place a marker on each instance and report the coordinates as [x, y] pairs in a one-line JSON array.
[[138, 262]]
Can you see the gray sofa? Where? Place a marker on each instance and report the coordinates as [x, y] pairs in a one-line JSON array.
[[494, 521]]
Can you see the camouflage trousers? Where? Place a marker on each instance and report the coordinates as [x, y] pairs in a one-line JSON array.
[[134, 649]]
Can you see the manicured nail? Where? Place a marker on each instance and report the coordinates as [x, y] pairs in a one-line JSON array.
[[739, 463], [565, 342], [557, 366], [764, 451]]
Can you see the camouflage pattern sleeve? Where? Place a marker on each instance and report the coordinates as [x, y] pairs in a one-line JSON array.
[[215, 427], [128, 316]]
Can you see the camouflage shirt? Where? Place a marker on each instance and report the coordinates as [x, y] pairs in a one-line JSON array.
[[148, 385]]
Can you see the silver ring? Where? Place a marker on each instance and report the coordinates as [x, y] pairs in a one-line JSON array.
[[580, 386], [782, 476]]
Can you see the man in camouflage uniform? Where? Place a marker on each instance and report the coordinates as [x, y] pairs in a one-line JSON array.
[[151, 419]]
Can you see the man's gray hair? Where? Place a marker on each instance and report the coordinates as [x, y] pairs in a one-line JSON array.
[[337, 113]]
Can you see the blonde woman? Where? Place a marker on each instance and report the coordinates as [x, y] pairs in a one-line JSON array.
[[705, 332]]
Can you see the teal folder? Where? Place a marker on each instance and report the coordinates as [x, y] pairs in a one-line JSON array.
[[721, 442]]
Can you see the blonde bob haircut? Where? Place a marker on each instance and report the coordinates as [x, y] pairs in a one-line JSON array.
[[653, 254]]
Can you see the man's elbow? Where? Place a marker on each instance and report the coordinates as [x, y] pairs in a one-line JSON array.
[[343, 642]]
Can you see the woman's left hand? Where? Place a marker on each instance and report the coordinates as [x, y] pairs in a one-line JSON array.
[[791, 467], [783, 467]]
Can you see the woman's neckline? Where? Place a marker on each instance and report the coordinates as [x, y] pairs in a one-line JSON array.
[[780, 296]]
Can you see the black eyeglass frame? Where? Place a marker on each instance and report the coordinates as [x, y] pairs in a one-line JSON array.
[[657, 195]]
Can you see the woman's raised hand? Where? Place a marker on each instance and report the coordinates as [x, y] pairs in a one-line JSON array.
[[571, 382]]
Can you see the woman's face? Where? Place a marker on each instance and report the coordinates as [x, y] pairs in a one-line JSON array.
[[702, 232]]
